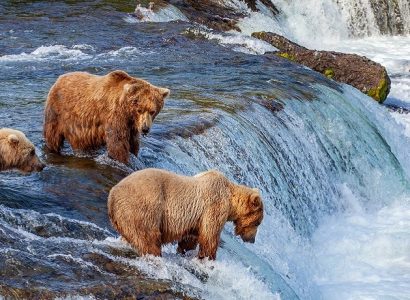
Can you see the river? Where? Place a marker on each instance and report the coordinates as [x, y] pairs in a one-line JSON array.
[[332, 165]]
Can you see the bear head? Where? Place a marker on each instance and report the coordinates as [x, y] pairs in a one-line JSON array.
[[17, 152], [248, 208], [145, 102]]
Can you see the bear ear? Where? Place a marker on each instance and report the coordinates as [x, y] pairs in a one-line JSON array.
[[255, 201], [13, 139], [119, 75], [132, 88], [164, 92]]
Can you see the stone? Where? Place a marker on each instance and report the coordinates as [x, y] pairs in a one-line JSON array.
[[358, 71]]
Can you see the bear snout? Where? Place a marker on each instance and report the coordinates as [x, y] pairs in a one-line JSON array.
[[251, 240], [248, 239], [145, 130], [39, 167]]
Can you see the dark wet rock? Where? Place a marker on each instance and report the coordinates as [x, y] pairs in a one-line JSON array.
[[399, 109], [389, 16], [272, 105], [138, 289], [252, 4], [209, 13], [114, 280], [358, 71]]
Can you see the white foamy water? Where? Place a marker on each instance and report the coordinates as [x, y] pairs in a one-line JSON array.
[[165, 14], [75, 53], [365, 255], [235, 41], [59, 52], [226, 278]]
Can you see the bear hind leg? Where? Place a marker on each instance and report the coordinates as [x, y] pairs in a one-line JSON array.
[[53, 137], [145, 242]]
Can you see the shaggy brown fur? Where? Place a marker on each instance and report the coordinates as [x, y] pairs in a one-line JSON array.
[[91, 111], [152, 207], [17, 152]]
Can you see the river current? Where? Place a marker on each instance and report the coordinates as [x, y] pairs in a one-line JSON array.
[[332, 165]]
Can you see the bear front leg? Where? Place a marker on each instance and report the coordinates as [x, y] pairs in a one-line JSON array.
[[187, 243], [134, 142], [118, 146], [212, 224]]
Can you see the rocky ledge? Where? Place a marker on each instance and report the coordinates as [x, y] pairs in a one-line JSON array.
[[358, 71]]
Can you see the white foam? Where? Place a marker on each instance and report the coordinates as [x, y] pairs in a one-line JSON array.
[[165, 14], [238, 42], [403, 119], [124, 52], [257, 21], [225, 278], [74, 53], [365, 255], [60, 52]]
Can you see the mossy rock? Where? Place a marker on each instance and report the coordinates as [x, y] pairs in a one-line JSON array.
[[380, 92], [329, 73], [286, 55]]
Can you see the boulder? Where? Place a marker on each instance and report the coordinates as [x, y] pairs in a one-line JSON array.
[[358, 71]]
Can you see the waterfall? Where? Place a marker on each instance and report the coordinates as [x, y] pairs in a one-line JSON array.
[[332, 166], [312, 22], [312, 160]]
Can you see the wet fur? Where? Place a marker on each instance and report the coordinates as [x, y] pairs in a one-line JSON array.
[[153, 207], [91, 111]]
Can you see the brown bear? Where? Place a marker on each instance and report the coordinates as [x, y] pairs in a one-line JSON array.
[[91, 111], [152, 207], [17, 152]]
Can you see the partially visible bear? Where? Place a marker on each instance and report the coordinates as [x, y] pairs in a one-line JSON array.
[[17, 152], [152, 207], [91, 111]]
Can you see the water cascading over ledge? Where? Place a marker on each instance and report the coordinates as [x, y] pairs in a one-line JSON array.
[[331, 166], [329, 18]]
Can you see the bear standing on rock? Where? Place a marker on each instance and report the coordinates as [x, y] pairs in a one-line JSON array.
[[152, 207], [91, 111], [17, 152]]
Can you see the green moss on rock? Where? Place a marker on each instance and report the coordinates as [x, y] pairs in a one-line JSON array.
[[329, 73], [380, 92], [286, 55]]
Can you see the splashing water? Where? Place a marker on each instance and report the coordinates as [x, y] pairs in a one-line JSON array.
[[332, 166]]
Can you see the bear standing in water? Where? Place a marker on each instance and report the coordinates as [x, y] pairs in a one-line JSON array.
[[17, 152], [91, 111], [152, 207]]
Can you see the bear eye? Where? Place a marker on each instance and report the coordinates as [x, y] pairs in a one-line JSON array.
[[32, 152]]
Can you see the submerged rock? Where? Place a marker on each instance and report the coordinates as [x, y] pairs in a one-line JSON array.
[[358, 71]]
